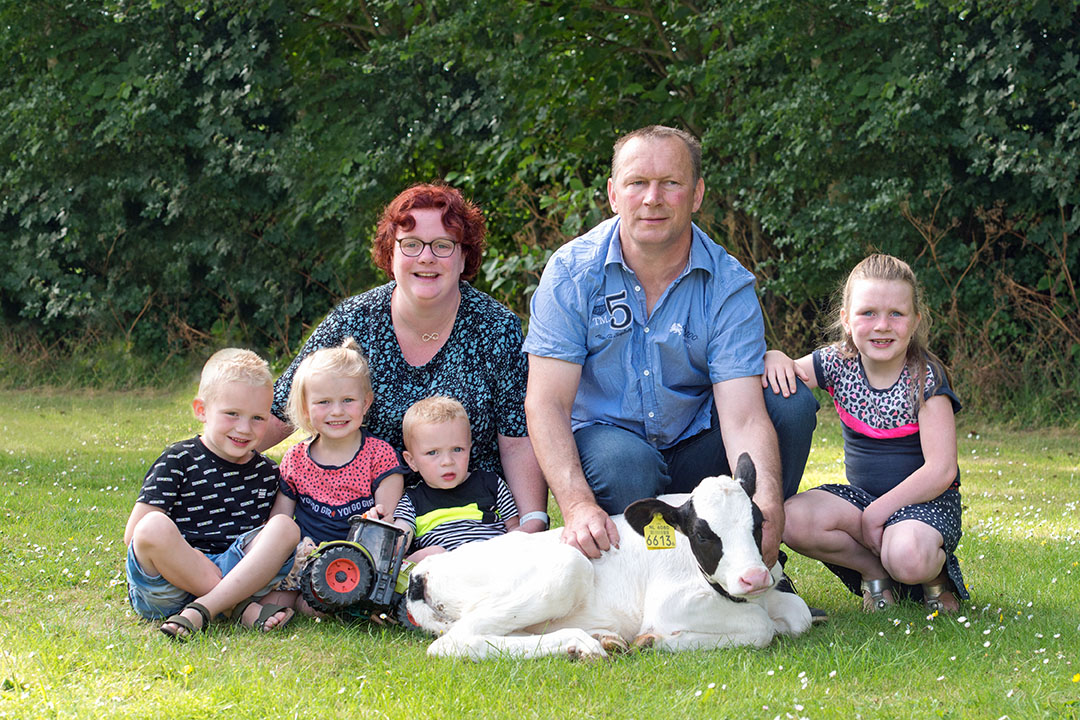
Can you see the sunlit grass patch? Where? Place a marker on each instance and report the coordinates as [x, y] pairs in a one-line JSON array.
[[71, 466]]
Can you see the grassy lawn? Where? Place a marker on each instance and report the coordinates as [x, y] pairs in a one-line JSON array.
[[71, 466]]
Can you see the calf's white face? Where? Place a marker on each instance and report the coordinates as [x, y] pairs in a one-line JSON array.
[[723, 526]]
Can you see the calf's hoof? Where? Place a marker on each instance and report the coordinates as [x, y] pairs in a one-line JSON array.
[[645, 641], [580, 645], [613, 644]]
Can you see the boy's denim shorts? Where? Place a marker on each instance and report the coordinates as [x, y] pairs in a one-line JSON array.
[[152, 596]]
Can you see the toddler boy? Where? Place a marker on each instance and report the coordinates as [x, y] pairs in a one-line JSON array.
[[199, 539], [452, 506]]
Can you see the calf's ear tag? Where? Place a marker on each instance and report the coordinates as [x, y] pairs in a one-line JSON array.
[[658, 534]]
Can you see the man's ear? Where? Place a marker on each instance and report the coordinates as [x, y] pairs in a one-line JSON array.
[[199, 408], [699, 193], [641, 512]]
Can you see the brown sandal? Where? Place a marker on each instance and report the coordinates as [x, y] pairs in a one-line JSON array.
[[268, 611], [189, 627]]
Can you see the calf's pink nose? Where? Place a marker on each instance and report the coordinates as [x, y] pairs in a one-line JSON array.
[[756, 579]]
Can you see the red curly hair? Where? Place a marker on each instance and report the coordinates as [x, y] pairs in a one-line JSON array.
[[461, 218]]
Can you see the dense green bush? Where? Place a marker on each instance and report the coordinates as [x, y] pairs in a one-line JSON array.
[[178, 175]]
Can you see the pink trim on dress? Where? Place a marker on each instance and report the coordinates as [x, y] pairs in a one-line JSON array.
[[869, 431]]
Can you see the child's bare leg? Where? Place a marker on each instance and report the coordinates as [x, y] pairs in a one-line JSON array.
[[292, 599], [421, 554], [284, 598], [306, 609], [162, 550], [828, 528], [912, 553], [262, 560]]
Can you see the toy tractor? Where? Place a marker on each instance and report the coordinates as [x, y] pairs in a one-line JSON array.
[[363, 575]]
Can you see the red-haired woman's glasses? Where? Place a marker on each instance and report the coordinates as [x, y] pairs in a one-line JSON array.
[[411, 247]]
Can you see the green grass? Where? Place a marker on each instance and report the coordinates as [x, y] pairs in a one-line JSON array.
[[89, 363], [71, 466]]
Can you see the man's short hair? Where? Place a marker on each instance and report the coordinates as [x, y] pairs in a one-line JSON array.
[[233, 365], [661, 132], [432, 411]]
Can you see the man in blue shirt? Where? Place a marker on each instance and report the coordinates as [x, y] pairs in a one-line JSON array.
[[646, 346]]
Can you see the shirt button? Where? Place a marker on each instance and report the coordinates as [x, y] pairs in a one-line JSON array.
[[637, 288], [650, 414], [646, 329], [646, 373]]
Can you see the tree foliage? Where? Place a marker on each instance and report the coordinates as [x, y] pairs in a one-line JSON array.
[[182, 174]]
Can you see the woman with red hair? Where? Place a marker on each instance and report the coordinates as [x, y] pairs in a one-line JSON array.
[[429, 332]]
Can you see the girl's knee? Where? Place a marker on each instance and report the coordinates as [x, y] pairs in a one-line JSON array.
[[911, 557], [804, 508]]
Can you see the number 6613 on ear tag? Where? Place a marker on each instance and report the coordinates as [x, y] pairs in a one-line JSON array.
[[658, 534]]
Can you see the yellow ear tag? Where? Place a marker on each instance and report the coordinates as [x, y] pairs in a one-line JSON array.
[[659, 535]]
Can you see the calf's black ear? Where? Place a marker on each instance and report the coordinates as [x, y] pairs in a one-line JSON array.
[[746, 474], [416, 587], [640, 513]]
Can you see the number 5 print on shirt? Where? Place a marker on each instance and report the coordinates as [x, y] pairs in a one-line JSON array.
[[621, 315]]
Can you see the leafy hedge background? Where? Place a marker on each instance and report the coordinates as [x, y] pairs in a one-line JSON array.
[[176, 176]]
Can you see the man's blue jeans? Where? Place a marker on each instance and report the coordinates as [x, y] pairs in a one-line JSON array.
[[621, 467]]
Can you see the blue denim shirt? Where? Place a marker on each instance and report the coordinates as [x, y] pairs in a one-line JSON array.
[[652, 375]]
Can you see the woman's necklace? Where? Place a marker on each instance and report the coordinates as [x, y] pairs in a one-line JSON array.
[[437, 334]]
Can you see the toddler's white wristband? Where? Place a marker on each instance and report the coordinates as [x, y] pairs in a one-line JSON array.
[[535, 515]]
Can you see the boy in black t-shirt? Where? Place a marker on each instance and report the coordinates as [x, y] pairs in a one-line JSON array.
[[200, 540]]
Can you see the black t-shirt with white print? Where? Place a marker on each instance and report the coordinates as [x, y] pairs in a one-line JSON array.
[[211, 500]]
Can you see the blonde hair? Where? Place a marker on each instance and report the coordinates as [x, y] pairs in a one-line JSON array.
[[232, 365], [345, 360], [886, 267], [431, 411]]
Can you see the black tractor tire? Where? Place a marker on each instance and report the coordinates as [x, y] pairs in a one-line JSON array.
[[340, 577], [309, 596]]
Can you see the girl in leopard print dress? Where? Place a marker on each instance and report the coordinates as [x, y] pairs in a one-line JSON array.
[[892, 530]]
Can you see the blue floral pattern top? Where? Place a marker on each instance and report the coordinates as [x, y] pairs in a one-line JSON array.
[[481, 365]]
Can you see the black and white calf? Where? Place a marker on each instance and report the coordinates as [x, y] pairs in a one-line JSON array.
[[530, 595]]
